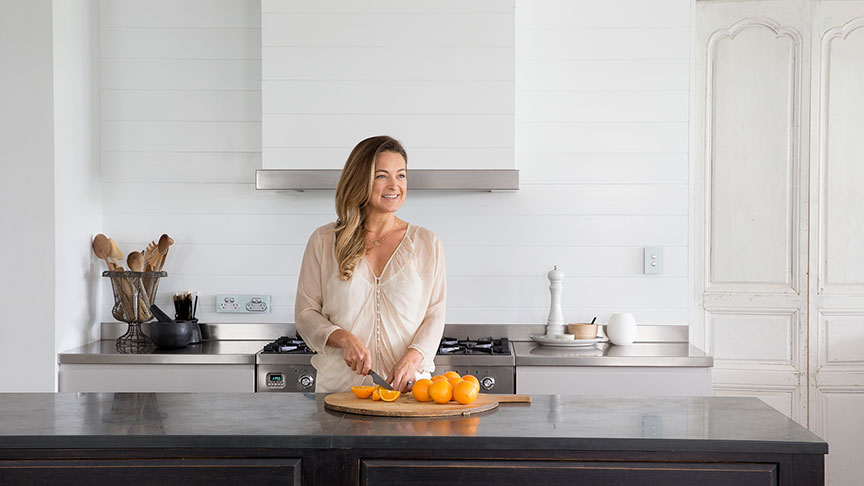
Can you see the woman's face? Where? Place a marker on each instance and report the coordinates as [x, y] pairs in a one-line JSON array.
[[390, 184]]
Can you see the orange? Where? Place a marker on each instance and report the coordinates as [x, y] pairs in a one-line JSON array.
[[388, 395], [472, 379], [452, 374], [454, 381], [465, 392], [375, 394], [441, 391], [363, 391], [421, 390], [438, 377]]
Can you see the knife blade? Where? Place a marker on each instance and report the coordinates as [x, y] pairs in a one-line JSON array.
[[376, 378]]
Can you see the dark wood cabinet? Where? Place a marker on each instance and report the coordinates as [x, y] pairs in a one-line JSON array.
[[380, 467], [585, 473], [153, 471]]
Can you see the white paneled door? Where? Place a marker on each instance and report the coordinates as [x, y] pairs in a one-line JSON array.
[[778, 220]]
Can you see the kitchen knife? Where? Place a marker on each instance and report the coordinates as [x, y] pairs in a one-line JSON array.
[[376, 378]]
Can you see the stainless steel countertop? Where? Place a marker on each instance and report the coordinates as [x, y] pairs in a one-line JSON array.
[[605, 354], [208, 352], [234, 343]]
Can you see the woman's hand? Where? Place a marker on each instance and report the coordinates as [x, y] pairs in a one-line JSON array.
[[355, 353], [404, 369]]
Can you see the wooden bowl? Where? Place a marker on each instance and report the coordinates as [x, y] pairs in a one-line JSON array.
[[582, 330]]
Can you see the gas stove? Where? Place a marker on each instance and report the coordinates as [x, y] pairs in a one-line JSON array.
[[490, 359], [285, 364]]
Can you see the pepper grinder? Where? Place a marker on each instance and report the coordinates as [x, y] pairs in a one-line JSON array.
[[555, 323]]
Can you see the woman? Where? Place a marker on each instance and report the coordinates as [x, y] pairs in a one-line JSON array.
[[371, 293]]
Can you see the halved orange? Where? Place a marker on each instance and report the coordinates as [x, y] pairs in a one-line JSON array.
[[376, 394], [388, 395], [363, 391]]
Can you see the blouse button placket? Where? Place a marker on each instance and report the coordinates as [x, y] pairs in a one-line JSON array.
[[377, 320]]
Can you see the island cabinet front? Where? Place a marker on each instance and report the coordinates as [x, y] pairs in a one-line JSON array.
[[378, 472], [484, 468], [154, 470]]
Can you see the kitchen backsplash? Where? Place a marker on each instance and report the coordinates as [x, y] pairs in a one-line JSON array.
[[601, 129]]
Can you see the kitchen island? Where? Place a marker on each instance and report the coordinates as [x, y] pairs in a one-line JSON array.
[[186, 438]]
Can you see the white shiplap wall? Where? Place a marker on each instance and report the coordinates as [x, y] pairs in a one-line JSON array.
[[601, 143]]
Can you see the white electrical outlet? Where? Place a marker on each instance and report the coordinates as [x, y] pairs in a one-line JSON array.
[[653, 261], [243, 304]]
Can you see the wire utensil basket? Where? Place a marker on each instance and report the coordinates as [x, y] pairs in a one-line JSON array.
[[134, 293]]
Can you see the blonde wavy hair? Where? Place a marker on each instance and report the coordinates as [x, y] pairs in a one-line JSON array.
[[352, 196]]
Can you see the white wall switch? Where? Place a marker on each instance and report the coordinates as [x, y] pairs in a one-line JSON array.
[[653, 262], [243, 304]]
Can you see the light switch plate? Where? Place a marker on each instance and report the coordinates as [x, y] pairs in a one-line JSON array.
[[243, 304], [653, 261]]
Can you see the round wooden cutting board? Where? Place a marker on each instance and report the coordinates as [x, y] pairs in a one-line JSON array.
[[406, 406]]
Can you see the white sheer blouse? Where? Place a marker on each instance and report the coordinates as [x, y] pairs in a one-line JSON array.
[[402, 309]]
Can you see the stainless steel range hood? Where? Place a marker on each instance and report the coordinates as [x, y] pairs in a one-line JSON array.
[[480, 180]]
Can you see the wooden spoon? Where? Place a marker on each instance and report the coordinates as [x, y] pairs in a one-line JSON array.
[[116, 255], [165, 241], [102, 249], [135, 261]]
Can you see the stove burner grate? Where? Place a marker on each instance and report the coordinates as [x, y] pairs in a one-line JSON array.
[[287, 345], [485, 345]]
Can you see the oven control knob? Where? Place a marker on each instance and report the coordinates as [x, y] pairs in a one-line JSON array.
[[487, 383], [306, 381]]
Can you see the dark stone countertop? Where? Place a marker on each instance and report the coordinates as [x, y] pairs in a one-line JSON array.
[[295, 420]]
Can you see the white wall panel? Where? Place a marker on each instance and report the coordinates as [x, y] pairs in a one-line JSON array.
[[188, 167], [179, 42], [633, 43], [601, 169], [603, 75], [842, 429], [540, 200], [181, 14], [766, 337], [171, 105], [181, 136], [842, 228], [601, 145], [604, 106], [842, 337], [751, 149], [602, 137], [181, 74], [588, 14]]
